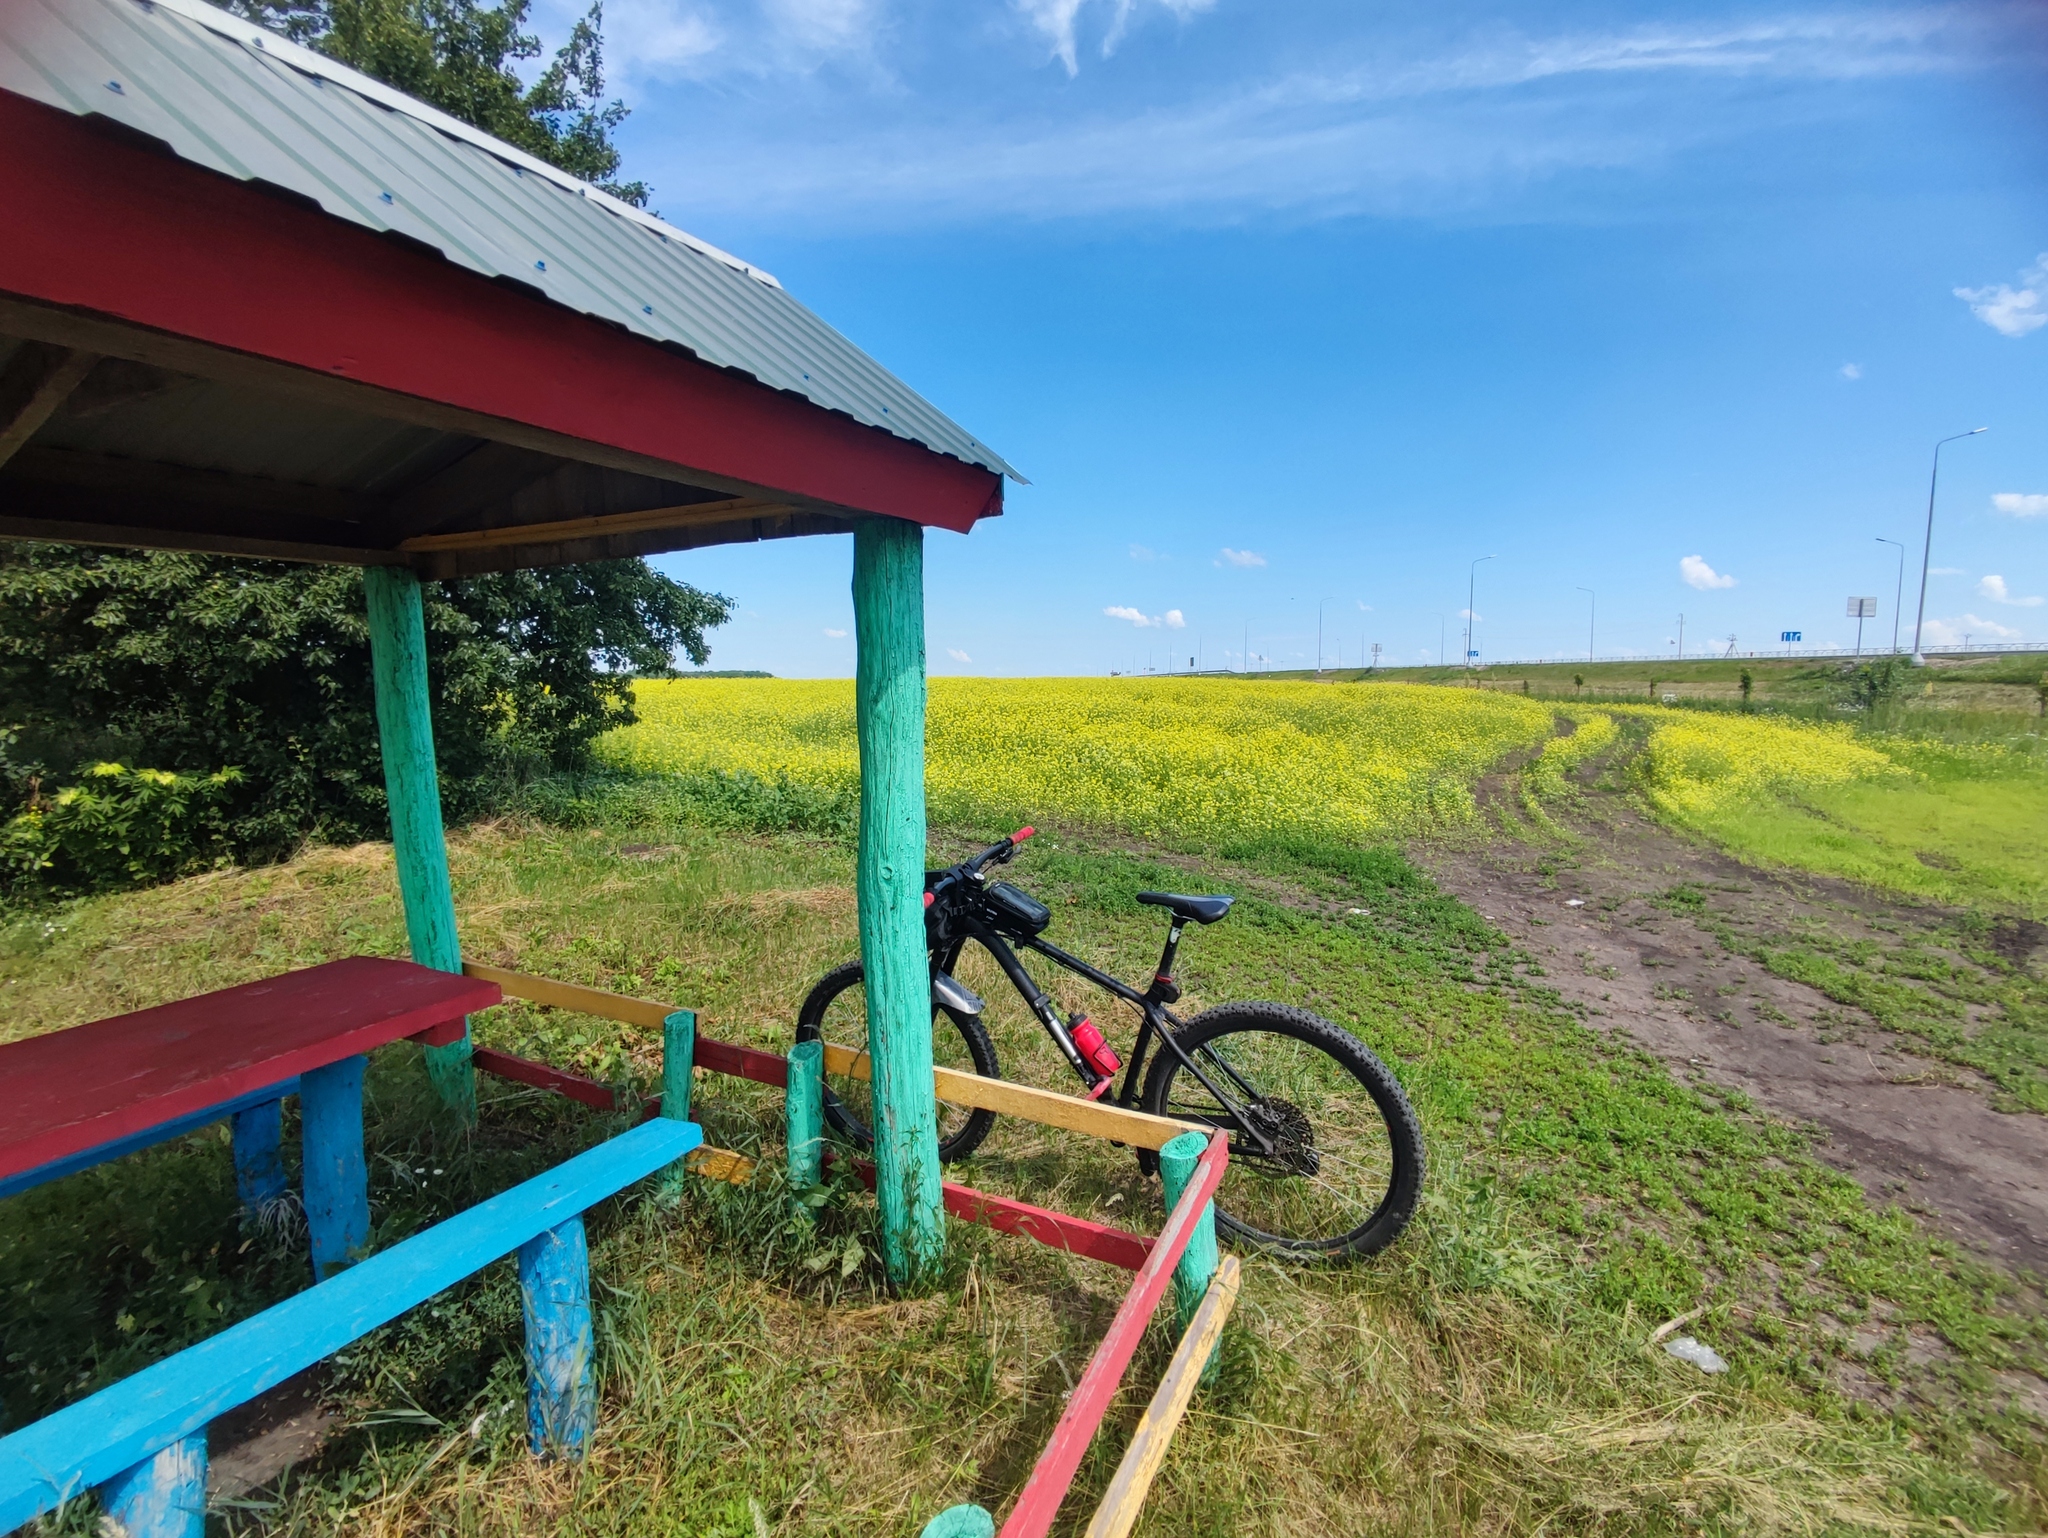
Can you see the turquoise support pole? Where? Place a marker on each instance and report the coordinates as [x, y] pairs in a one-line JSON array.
[[337, 1183], [561, 1384], [678, 1058], [889, 690], [804, 1114], [1177, 1161], [163, 1496], [405, 731]]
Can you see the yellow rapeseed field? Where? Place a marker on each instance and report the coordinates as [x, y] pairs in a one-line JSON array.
[[1697, 765], [1201, 757]]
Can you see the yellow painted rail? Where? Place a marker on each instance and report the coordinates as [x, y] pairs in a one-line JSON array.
[[1146, 1453], [1048, 1108]]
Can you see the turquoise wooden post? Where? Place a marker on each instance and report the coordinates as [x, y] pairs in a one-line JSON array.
[[1177, 1161], [960, 1522], [337, 1185], [561, 1385], [803, 1115], [258, 1135], [163, 1496], [405, 731], [888, 616], [678, 1057]]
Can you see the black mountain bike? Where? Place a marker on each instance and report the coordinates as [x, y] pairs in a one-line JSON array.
[[1325, 1155]]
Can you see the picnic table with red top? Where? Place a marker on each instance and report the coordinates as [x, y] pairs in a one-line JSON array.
[[74, 1098]]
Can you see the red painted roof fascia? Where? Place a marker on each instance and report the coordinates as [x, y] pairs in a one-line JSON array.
[[99, 224]]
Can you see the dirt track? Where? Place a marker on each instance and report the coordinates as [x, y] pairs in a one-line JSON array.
[[1911, 1130]]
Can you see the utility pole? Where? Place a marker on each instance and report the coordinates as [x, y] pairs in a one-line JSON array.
[[1471, 595], [1319, 639], [1927, 550], [1681, 638], [1898, 590], [1592, 613]]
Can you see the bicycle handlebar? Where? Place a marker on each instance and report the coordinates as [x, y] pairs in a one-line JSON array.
[[999, 853]]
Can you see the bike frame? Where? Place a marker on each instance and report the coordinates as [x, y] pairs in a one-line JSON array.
[[1159, 1022]]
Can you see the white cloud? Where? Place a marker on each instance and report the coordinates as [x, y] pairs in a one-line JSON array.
[[1397, 121], [655, 38], [1951, 632], [837, 635], [1242, 557], [1057, 19], [1172, 619], [1364, 607], [958, 655], [1697, 573], [2020, 504], [1477, 619], [1852, 371], [2012, 311], [1994, 588], [1143, 553]]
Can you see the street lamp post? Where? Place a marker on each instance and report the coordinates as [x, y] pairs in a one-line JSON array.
[[1471, 596], [1927, 550], [1898, 590], [1319, 639], [1592, 614]]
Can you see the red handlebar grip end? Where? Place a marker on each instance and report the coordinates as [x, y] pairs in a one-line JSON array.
[[1022, 834], [929, 899]]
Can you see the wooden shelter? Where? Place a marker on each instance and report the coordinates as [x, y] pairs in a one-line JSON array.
[[254, 303]]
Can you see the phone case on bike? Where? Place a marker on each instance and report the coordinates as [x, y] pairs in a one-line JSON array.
[[1019, 907]]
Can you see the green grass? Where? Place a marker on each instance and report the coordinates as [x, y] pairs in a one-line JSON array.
[[1491, 1374]]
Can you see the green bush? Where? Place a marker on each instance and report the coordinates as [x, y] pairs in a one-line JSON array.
[[118, 827], [192, 663]]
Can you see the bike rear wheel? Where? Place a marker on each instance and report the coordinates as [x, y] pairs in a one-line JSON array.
[[1347, 1166], [836, 1011]]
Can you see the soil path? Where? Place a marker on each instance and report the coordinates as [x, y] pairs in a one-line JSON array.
[[1910, 1130]]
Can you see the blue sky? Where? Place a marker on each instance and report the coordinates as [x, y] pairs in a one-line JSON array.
[[1286, 305]]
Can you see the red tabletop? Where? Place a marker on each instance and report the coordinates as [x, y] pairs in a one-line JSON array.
[[74, 1090]]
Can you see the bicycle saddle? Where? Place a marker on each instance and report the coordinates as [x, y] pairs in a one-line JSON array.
[[1200, 910]]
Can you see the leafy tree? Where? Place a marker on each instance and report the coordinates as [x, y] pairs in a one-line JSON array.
[[196, 664], [459, 56]]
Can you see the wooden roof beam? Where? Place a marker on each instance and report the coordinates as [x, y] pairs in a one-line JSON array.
[[36, 381]]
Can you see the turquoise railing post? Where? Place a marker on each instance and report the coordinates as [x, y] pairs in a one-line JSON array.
[[258, 1137], [1177, 1161], [804, 1112], [337, 1185], [678, 1058], [960, 1522], [405, 732], [889, 699], [561, 1384], [163, 1496]]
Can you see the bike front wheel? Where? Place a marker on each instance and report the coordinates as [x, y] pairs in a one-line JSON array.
[[836, 1011], [1346, 1162]]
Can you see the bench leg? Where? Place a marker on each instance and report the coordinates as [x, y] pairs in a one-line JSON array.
[[163, 1496], [561, 1387], [337, 1184], [259, 1155]]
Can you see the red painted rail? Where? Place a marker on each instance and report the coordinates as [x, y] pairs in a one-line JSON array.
[[1058, 1230], [1032, 1516]]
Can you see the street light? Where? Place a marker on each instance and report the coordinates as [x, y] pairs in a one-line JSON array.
[[1927, 551], [1471, 594], [1898, 591], [1319, 638], [1592, 613]]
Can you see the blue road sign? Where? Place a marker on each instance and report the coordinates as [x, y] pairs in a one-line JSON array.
[[1790, 635]]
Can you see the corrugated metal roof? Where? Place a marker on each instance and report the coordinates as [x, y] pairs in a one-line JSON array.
[[247, 103]]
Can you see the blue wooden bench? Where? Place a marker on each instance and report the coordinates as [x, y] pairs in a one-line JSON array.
[[142, 1442]]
